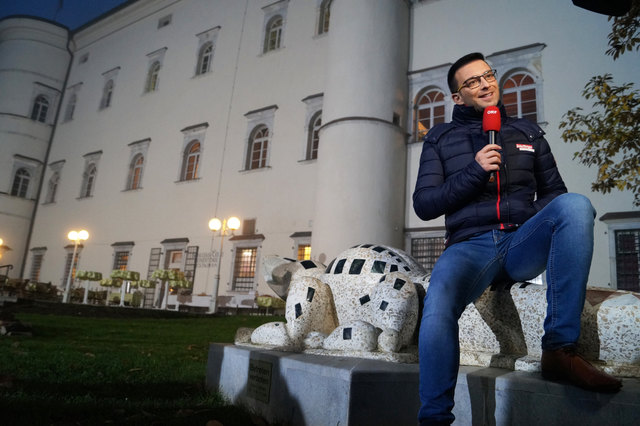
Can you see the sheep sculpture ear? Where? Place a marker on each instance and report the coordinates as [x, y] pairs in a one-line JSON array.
[[277, 274]]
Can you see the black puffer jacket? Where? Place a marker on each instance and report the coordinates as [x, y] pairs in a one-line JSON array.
[[450, 182]]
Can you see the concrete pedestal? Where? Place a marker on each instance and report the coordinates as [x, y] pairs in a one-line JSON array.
[[299, 389]]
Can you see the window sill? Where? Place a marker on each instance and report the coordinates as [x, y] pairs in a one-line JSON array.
[[246, 171], [186, 181], [308, 161]]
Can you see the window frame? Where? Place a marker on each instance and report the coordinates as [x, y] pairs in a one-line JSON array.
[[324, 17], [20, 183], [136, 168], [522, 59], [272, 35], [618, 221], [191, 158], [153, 77], [260, 144], [40, 108], [518, 90], [431, 107], [313, 136]]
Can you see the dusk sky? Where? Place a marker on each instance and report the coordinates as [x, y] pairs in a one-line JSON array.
[[71, 13]]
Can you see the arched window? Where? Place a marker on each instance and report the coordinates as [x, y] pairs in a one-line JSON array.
[[323, 17], [273, 34], [519, 96], [20, 183], [89, 180], [429, 110], [71, 107], [52, 188], [258, 148], [313, 137], [191, 161], [135, 172], [107, 94], [40, 109], [152, 77], [204, 58]]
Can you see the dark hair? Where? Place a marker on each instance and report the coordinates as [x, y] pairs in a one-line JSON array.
[[451, 79]]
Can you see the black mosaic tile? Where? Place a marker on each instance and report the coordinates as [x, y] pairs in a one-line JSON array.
[[393, 268], [339, 266], [378, 267], [298, 310], [383, 305], [356, 266], [346, 333], [378, 249], [310, 293], [399, 284], [307, 264], [364, 299]]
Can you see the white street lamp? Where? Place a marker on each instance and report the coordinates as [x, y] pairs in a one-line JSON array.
[[74, 236], [215, 225]]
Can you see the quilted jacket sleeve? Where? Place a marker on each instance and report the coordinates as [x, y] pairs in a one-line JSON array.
[[434, 195]]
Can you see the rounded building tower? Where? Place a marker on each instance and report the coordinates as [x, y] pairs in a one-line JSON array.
[[362, 152], [33, 65]]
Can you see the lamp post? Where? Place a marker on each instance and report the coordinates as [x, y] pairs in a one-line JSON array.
[[215, 225], [74, 236]]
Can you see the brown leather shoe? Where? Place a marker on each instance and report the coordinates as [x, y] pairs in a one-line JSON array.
[[566, 364]]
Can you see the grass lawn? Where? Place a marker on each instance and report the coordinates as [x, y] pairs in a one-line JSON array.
[[122, 371]]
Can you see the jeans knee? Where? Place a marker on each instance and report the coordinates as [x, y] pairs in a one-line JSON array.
[[576, 206]]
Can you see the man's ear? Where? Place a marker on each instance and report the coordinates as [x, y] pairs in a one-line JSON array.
[[457, 99]]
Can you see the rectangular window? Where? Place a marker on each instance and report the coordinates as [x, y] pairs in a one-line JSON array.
[[244, 268], [427, 250], [628, 259], [67, 267], [121, 260], [36, 265], [191, 263], [304, 252]]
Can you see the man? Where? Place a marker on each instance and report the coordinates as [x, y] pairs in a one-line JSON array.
[[508, 217]]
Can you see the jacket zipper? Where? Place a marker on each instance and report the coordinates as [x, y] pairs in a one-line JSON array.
[[498, 201]]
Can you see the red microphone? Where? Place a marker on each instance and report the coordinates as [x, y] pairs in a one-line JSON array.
[[491, 122]]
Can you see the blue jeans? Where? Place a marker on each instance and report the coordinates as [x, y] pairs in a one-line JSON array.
[[559, 238]]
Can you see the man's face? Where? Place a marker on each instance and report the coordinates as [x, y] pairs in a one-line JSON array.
[[487, 94]]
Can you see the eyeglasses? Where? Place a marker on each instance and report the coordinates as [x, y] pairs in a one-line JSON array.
[[473, 82]]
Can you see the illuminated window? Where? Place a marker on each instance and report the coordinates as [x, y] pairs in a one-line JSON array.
[[191, 161], [304, 252], [135, 172], [244, 268], [429, 110]]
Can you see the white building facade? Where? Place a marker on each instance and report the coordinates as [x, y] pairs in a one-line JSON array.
[[301, 117]]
